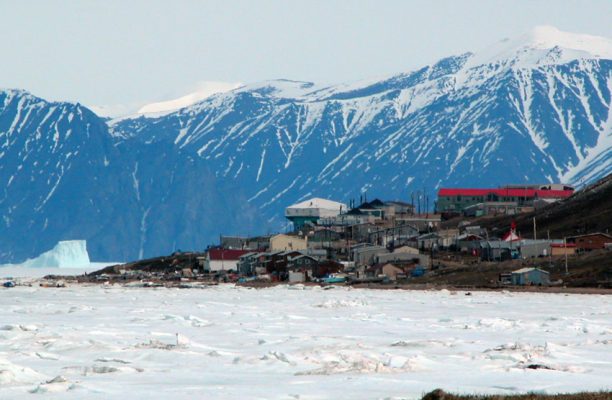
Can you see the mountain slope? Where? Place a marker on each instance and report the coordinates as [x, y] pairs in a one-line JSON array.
[[66, 177], [535, 109], [533, 113], [59, 175]]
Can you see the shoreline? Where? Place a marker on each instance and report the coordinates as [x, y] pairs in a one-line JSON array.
[[59, 281], [451, 288]]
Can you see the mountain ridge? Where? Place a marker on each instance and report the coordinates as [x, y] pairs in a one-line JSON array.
[[231, 162]]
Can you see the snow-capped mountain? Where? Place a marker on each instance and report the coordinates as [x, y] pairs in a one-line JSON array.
[[534, 109]]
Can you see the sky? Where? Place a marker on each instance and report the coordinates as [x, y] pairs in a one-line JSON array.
[[120, 55]]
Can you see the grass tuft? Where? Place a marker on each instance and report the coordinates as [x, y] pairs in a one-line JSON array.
[[440, 394]]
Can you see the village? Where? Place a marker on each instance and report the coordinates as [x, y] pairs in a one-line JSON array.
[[389, 242]]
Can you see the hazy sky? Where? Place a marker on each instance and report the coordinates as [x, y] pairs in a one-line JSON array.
[[131, 51]]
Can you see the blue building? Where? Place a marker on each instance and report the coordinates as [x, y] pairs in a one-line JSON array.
[[530, 276]]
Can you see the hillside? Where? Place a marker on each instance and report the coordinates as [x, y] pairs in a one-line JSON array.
[[588, 270]]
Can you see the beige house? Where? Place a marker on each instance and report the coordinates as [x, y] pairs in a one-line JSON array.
[[560, 249], [389, 270], [283, 242]]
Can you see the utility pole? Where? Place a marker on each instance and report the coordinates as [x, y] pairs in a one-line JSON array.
[[488, 247], [550, 250], [431, 263], [535, 236], [565, 251]]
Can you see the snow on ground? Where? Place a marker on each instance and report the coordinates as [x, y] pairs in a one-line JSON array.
[[228, 342], [22, 274]]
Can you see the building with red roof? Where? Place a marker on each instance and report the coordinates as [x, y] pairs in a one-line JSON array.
[[223, 259], [514, 198]]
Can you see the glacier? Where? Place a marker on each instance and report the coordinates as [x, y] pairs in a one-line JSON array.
[[533, 109]]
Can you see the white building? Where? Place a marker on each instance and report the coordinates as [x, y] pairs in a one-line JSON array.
[[221, 260], [312, 210]]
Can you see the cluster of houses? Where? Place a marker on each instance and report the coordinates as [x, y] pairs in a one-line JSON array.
[[278, 264], [368, 241], [512, 246], [387, 240]]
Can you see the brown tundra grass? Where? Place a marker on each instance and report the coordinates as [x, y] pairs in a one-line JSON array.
[[439, 394]]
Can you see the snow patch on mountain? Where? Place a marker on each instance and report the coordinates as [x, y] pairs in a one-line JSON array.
[[544, 45], [546, 37], [203, 91]]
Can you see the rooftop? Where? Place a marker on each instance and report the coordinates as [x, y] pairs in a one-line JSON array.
[[226, 254], [525, 270], [557, 194], [317, 202]]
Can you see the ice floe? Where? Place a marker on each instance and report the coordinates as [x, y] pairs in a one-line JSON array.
[[230, 342]]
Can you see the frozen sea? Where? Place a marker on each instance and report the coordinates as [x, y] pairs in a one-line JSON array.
[[229, 342]]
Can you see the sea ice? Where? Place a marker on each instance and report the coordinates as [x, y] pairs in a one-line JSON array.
[[230, 342]]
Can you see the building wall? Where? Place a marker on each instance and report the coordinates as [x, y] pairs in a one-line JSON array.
[[286, 242], [367, 255], [534, 277], [299, 222], [324, 236], [468, 245], [391, 271], [219, 265], [247, 265], [591, 242], [457, 203], [295, 277], [422, 259], [495, 251], [427, 244], [561, 251], [535, 249]]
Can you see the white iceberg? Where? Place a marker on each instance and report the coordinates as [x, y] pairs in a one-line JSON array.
[[65, 254], [69, 255]]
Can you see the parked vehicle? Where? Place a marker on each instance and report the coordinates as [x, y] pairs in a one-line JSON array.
[[335, 278], [418, 271]]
